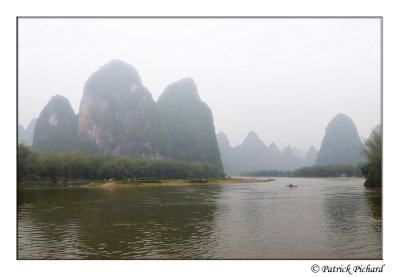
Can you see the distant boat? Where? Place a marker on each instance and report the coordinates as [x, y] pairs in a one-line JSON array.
[[291, 186]]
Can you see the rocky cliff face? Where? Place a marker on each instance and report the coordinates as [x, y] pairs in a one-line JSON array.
[[56, 128], [341, 143], [377, 130], [300, 153], [25, 136], [289, 160], [273, 151], [189, 123], [254, 155], [119, 115], [227, 154], [311, 156]]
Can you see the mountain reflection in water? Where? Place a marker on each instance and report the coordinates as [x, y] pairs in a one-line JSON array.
[[321, 218]]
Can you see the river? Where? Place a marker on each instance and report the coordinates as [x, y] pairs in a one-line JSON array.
[[321, 218]]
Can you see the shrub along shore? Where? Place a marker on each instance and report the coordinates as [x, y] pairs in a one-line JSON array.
[[338, 170], [74, 166], [176, 182]]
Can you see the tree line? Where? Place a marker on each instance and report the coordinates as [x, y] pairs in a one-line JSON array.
[[32, 165], [371, 169], [337, 170]]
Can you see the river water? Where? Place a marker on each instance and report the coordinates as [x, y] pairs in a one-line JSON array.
[[331, 218]]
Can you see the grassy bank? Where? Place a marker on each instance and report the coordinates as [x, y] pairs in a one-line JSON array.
[[336, 170], [77, 166], [174, 182]]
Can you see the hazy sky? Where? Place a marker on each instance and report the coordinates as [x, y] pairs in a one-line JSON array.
[[285, 79]]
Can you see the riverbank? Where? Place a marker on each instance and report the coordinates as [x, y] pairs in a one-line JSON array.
[[194, 221], [110, 184], [176, 182]]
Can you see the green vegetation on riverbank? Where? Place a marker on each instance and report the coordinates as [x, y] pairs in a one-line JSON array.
[[76, 166], [373, 167], [171, 182], [311, 171]]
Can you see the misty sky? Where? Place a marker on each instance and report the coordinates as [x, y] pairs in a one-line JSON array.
[[285, 79]]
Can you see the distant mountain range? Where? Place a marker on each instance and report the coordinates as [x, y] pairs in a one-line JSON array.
[[253, 155], [118, 116], [25, 136], [377, 129], [340, 145]]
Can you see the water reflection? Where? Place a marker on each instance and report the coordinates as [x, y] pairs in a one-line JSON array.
[[46, 229], [374, 202], [354, 222], [164, 222], [373, 197], [342, 208], [319, 219]]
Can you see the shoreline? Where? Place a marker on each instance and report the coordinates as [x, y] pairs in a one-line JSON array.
[[111, 184], [176, 182]]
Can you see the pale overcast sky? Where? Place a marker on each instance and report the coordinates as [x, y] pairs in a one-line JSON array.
[[285, 79]]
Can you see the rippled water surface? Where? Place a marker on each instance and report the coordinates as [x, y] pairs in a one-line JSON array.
[[318, 219]]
